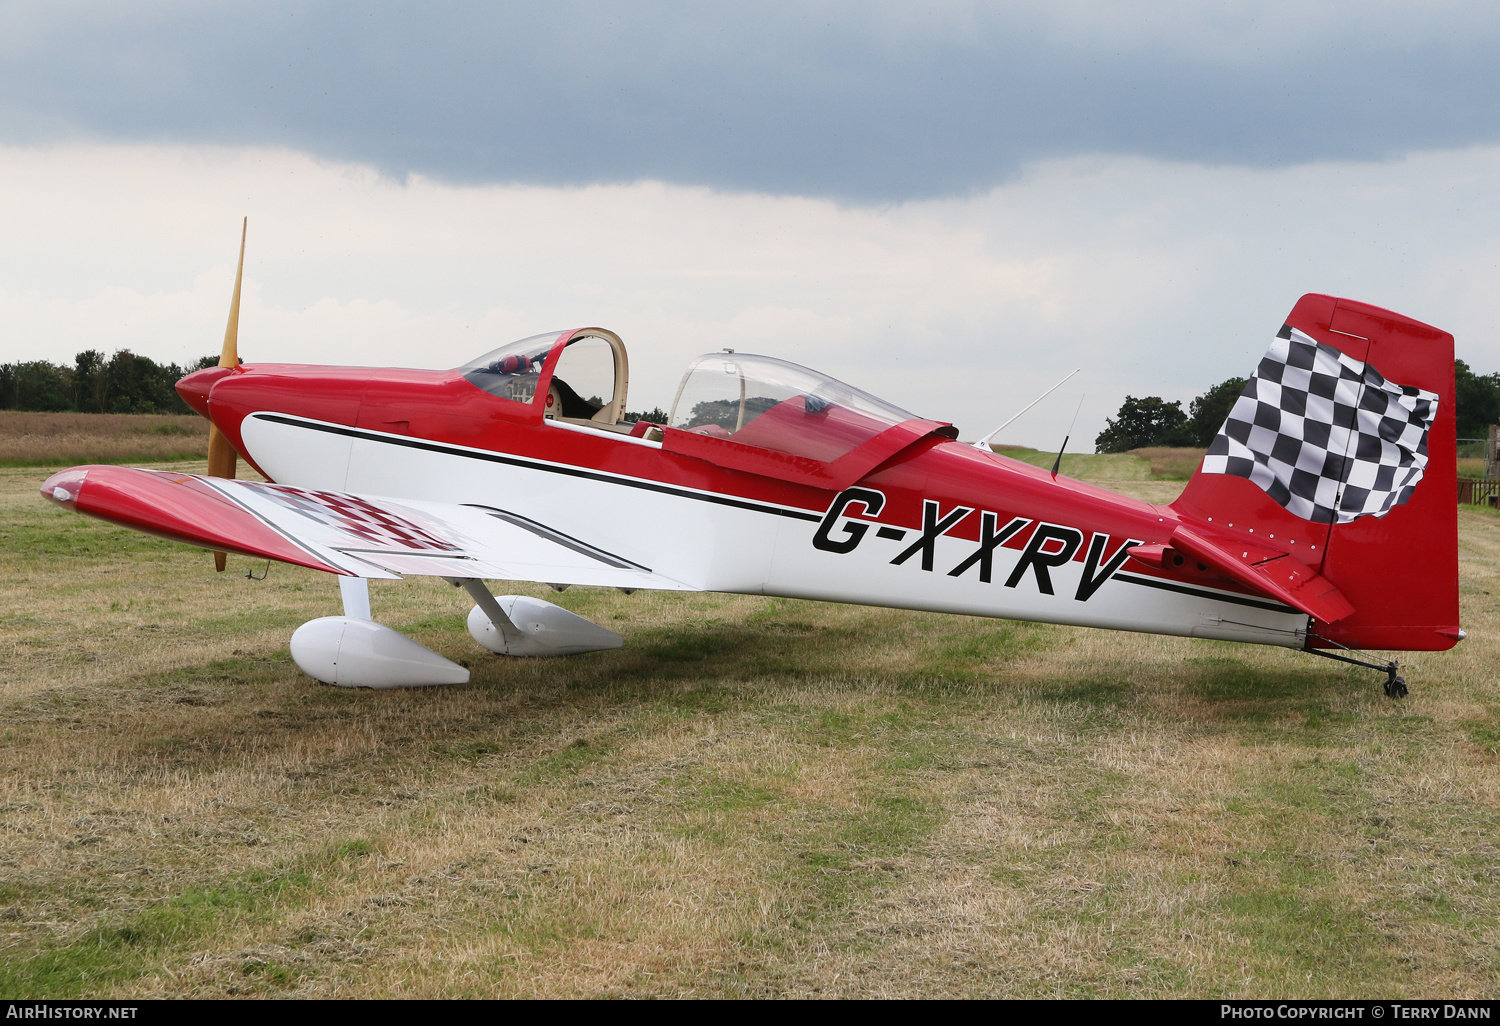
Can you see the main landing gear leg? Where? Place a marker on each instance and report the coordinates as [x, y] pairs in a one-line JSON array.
[[512, 635], [516, 625], [1395, 684]]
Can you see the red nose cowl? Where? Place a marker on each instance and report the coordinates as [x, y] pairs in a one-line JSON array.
[[195, 387]]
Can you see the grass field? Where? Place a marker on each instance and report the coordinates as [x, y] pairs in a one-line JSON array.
[[754, 797], [1154, 464], [68, 439]]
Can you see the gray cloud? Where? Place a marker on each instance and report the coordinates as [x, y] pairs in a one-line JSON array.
[[864, 102]]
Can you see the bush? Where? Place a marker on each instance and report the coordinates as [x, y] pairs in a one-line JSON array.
[[125, 383], [1477, 400], [1145, 422], [1208, 412]]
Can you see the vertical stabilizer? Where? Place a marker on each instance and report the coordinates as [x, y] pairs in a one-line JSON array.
[[1341, 451]]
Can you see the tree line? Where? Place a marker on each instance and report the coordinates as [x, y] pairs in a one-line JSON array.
[[123, 383], [1152, 421]]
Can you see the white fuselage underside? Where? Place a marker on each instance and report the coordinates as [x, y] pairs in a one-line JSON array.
[[731, 544]]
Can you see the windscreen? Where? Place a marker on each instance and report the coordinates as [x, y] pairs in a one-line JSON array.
[[511, 372]]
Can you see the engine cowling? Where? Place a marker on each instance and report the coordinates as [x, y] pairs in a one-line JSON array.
[[548, 630]]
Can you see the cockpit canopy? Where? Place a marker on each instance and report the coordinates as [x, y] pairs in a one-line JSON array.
[[728, 406], [773, 404]]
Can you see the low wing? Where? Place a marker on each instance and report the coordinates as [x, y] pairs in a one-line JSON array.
[[351, 535]]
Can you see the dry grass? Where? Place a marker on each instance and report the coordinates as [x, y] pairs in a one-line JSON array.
[[1103, 467], [67, 439], [1169, 464], [1155, 464], [754, 797]]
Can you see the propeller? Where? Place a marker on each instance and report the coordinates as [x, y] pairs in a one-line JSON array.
[[221, 455]]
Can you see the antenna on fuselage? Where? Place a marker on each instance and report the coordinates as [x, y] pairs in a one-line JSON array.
[[1058, 462], [984, 443]]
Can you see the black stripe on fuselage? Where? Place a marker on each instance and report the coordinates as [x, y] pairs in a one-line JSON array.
[[551, 468], [1217, 596]]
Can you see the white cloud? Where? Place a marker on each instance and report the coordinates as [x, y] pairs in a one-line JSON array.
[[1157, 278]]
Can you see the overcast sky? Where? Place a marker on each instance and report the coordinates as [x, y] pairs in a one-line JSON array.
[[949, 204]]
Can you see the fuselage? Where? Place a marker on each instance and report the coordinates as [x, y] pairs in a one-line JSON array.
[[935, 525]]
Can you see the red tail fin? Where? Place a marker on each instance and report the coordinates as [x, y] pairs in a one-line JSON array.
[[1341, 452]]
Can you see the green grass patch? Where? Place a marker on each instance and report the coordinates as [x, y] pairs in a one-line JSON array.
[[65, 535], [121, 951], [570, 759]]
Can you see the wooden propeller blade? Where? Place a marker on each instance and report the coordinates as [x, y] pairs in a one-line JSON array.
[[229, 356], [221, 455]]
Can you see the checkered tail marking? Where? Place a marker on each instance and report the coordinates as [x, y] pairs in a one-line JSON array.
[[1326, 436]]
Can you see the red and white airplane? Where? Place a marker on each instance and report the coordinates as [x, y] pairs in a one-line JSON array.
[[1322, 519]]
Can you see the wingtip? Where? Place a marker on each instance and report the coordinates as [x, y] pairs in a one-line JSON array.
[[65, 486]]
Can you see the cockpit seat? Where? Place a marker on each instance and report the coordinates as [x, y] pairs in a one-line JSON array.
[[573, 406]]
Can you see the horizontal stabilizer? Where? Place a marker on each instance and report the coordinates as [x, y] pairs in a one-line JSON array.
[[1272, 573]]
